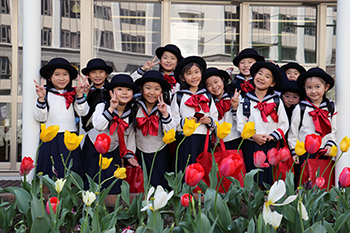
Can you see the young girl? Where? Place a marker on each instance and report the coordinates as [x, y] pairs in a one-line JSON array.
[[314, 115], [244, 81], [291, 95], [152, 117], [191, 99], [168, 56], [97, 72], [57, 105], [262, 106], [216, 83], [115, 119], [293, 70]]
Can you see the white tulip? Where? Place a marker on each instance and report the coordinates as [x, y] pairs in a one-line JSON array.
[[160, 198], [303, 211], [88, 197], [59, 184]]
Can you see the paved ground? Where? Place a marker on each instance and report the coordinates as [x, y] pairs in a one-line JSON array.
[[10, 183]]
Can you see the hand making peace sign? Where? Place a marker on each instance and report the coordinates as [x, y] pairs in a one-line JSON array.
[[162, 107], [40, 90], [149, 64]]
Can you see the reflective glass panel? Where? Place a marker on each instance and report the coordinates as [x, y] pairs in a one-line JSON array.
[[5, 131]]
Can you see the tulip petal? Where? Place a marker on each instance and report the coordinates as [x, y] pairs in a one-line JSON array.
[[277, 191], [267, 214], [303, 211], [287, 201], [276, 219]]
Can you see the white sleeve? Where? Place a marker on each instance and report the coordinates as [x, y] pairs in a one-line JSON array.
[[330, 138], [213, 113], [40, 111], [240, 118], [175, 110], [169, 122], [294, 129], [101, 117], [130, 139], [283, 122], [137, 74], [81, 106]]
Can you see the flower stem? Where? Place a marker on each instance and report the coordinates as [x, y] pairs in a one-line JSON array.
[[200, 211], [302, 172], [188, 160], [240, 144], [216, 196], [216, 145], [36, 156], [330, 174], [301, 218], [150, 173], [177, 155]]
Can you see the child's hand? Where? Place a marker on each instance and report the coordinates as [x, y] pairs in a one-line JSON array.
[[40, 90], [269, 138], [235, 99], [133, 162], [162, 107], [149, 64], [259, 138], [113, 102], [229, 70], [81, 85], [192, 117], [296, 159], [86, 86], [204, 120], [328, 148]]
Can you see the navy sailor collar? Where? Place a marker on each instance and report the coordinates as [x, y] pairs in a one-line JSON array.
[[144, 107], [199, 92], [251, 95], [239, 76], [225, 95], [322, 105], [126, 113]]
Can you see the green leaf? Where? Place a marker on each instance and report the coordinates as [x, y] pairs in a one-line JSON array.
[[249, 179], [145, 173], [125, 192], [341, 220], [145, 229], [92, 184], [169, 176], [202, 224], [290, 213], [328, 226], [213, 174], [77, 180], [106, 191], [289, 183], [22, 197], [110, 231], [251, 226], [155, 218], [50, 184], [36, 209], [40, 224], [203, 186], [239, 225]]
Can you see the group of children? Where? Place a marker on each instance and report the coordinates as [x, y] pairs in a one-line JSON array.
[[135, 110]]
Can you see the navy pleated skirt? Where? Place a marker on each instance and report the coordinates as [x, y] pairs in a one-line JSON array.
[[162, 164], [91, 162], [54, 149], [233, 144]]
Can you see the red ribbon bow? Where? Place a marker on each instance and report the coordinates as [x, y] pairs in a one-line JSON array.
[[267, 109], [170, 79], [223, 106], [149, 124], [321, 121], [198, 102], [246, 86], [122, 126], [69, 96]]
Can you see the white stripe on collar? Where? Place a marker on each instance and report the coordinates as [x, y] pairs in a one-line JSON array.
[[143, 105], [266, 97]]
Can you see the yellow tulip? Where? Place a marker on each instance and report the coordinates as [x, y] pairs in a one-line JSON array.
[[344, 144], [248, 130], [120, 173], [105, 162], [223, 129], [48, 134], [169, 136], [59, 184], [300, 148], [189, 127], [71, 140], [333, 151]]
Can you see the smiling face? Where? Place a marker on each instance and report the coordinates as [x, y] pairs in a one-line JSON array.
[[123, 94], [244, 66], [290, 98], [263, 79], [98, 77], [60, 79], [151, 91], [193, 77], [168, 61], [215, 86], [315, 89], [292, 74]]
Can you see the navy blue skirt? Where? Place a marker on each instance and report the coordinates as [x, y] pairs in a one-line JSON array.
[[192, 145], [91, 161], [162, 164], [249, 148], [233, 144], [54, 149]]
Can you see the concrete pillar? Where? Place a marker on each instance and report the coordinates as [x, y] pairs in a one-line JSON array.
[[31, 67], [342, 79], [87, 34]]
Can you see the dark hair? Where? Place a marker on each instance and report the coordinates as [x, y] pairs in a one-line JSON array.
[[166, 95], [270, 90], [49, 83], [183, 84], [226, 89]]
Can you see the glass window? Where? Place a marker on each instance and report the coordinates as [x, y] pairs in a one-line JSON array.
[[284, 34], [211, 31], [5, 131], [126, 34], [331, 45]]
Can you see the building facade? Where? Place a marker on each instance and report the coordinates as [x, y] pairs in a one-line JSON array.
[[126, 34]]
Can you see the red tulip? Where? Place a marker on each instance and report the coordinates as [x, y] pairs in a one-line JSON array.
[[231, 165], [320, 182], [259, 159], [193, 174], [54, 203], [27, 165], [344, 177], [185, 200], [312, 143], [102, 143], [273, 157], [284, 154]]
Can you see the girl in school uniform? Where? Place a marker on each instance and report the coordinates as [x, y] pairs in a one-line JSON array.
[[291, 95], [169, 56], [293, 70], [216, 83], [316, 114], [244, 60], [57, 104], [191, 99], [115, 119], [263, 107], [152, 117], [97, 72]]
